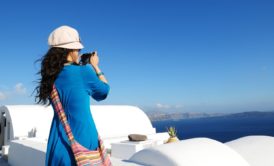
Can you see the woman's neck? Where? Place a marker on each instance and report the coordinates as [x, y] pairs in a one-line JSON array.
[[70, 63]]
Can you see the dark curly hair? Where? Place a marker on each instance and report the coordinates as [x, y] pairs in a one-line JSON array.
[[51, 65]]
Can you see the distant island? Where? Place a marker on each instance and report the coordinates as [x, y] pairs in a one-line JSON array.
[[161, 116]]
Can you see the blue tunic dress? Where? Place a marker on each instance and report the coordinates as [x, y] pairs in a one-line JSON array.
[[75, 84]]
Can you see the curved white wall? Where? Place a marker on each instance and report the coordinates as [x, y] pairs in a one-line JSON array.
[[257, 150], [111, 121], [117, 121], [191, 152], [24, 119]]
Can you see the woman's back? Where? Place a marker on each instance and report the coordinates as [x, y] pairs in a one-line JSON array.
[[75, 84]]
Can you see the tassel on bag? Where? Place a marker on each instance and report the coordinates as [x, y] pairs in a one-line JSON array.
[[82, 155]]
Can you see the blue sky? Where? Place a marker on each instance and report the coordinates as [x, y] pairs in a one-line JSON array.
[[192, 56]]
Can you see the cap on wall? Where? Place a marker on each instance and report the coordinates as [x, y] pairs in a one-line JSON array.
[[65, 37]]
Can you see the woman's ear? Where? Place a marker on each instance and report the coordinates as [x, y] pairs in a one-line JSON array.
[[69, 57]]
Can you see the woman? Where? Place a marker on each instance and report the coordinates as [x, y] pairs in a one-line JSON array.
[[75, 84]]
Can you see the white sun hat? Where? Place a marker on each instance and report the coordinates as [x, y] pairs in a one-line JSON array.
[[65, 37]]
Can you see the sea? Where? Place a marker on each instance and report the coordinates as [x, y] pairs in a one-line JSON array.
[[222, 129]]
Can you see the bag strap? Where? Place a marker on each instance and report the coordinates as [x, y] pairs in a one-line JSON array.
[[61, 113]]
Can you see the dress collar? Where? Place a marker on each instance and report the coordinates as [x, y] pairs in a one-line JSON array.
[[70, 63]]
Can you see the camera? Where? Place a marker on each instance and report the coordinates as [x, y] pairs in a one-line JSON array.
[[85, 58]]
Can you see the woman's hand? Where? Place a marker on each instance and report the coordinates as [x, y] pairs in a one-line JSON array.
[[94, 59]]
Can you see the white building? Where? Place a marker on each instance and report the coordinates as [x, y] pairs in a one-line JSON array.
[[25, 130]]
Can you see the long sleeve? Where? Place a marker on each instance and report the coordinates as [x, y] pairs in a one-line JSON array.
[[94, 86]]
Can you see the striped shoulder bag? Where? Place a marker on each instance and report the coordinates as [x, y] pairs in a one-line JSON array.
[[82, 155]]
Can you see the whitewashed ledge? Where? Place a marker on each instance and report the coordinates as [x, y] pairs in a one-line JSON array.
[[32, 151], [257, 150], [25, 140], [247, 151]]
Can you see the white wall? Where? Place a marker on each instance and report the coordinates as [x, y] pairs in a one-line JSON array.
[[111, 121]]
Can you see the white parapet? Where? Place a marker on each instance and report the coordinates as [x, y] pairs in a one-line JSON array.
[[257, 150], [32, 152], [25, 121], [27, 151], [113, 122], [26, 127], [125, 149], [191, 152], [120, 120]]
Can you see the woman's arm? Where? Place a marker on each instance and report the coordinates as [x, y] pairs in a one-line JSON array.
[[96, 83], [94, 61]]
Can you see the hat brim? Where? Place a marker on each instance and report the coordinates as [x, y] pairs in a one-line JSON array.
[[74, 45]]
